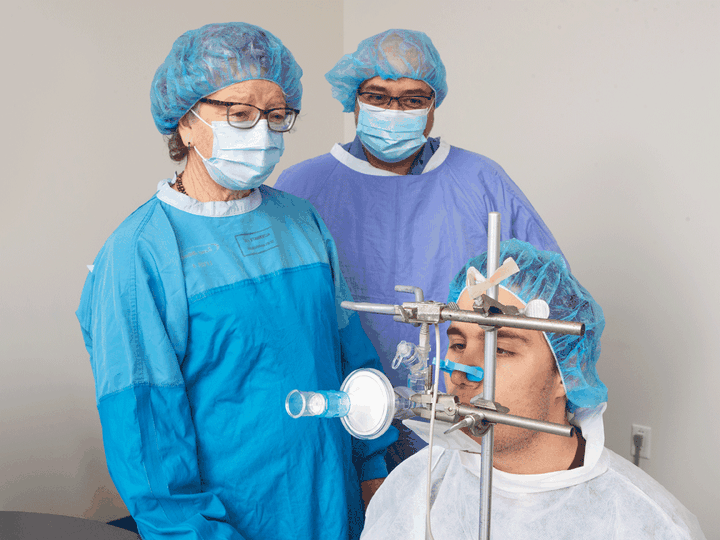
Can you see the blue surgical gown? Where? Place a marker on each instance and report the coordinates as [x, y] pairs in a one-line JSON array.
[[199, 319], [411, 230]]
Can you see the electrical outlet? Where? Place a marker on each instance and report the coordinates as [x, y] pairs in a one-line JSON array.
[[646, 433]]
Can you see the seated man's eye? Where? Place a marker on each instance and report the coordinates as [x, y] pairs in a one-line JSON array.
[[457, 347]]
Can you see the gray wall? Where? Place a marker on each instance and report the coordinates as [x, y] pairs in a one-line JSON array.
[[604, 113]]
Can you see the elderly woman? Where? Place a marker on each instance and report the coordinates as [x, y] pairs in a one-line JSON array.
[[215, 299]]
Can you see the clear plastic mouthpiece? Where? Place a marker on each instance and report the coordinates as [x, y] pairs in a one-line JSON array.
[[324, 403], [366, 403]]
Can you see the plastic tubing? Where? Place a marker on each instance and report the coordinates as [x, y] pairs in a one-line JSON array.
[[428, 529]]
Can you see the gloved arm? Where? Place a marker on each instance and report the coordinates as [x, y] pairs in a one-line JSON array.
[[133, 315]]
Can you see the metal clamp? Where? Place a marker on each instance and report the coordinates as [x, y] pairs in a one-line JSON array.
[[489, 306], [445, 411], [405, 315], [478, 401], [477, 421], [420, 312]]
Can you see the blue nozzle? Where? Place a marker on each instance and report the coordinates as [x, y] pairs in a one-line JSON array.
[[473, 373]]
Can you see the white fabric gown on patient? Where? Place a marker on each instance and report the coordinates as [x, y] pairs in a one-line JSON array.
[[608, 497]]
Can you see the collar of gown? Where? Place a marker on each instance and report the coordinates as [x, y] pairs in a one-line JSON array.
[[358, 165], [589, 421], [208, 209]]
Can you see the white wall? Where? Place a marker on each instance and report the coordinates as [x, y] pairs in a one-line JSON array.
[[606, 115], [79, 153]]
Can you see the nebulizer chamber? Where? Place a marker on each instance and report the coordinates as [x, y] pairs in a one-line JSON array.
[[414, 359], [366, 403]]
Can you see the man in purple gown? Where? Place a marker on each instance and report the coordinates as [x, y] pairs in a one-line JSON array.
[[404, 208]]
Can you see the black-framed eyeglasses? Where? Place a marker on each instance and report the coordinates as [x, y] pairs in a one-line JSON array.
[[405, 102], [246, 116]]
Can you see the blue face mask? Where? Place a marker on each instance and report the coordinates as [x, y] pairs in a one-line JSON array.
[[391, 135], [242, 158]]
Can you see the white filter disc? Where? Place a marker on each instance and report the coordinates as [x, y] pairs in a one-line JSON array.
[[372, 403]]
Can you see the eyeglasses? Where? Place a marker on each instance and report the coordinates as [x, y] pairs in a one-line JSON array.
[[405, 102], [245, 116]]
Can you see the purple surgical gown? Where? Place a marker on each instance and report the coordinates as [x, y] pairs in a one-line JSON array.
[[411, 230]]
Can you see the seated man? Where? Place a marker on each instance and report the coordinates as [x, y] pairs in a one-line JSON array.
[[544, 486]]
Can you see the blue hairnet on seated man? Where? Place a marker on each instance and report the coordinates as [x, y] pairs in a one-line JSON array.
[[544, 486], [405, 208]]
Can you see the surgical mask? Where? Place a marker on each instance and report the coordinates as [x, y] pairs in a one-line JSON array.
[[242, 158], [391, 135]]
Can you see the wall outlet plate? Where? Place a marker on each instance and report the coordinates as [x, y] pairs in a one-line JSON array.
[[646, 433]]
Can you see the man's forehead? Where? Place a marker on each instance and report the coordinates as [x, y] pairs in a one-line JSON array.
[[402, 85], [475, 331]]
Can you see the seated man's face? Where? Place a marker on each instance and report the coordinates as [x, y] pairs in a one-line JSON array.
[[526, 378]]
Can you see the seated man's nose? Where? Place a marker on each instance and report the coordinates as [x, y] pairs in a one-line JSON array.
[[458, 377], [470, 373]]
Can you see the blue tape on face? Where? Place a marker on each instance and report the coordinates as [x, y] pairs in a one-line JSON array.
[[473, 373]]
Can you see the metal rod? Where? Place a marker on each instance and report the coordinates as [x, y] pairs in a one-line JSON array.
[[417, 291], [488, 440], [528, 323], [383, 309], [519, 421], [460, 315]]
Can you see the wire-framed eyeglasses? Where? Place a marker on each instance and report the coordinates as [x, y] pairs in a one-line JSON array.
[[246, 116], [405, 102]]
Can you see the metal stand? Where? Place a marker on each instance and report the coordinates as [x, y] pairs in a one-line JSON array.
[[488, 440], [481, 415]]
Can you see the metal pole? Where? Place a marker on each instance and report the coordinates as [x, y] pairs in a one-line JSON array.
[[449, 314], [510, 321], [383, 309], [493, 255], [518, 421]]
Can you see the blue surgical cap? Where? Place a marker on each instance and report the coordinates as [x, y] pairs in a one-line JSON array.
[[544, 275], [393, 54], [213, 57]]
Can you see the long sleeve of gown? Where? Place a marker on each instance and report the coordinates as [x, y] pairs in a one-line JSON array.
[[133, 315]]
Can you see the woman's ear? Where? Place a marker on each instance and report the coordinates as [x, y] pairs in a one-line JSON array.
[[185, 128]]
